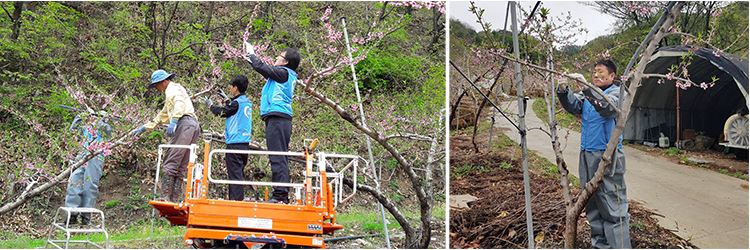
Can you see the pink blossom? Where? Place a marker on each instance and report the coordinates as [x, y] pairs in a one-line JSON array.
[[440, 5], [260, 48], [104, 146], [704, 86], [231, 52], [716, 53], [353, 107], [640, 8], [683, 85], [669, 76], [249, 25], [333, 34], [37, 127], [358, 40]]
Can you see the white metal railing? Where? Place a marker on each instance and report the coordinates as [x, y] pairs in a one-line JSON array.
[[296, 186], [192, 147], [322, 163], [338, 177]]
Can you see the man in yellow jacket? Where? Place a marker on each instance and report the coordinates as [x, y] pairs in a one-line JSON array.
[[182, 126]]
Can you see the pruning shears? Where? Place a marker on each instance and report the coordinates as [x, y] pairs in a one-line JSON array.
[[224, 95]]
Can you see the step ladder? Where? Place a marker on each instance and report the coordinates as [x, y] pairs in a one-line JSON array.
[[95, 225]]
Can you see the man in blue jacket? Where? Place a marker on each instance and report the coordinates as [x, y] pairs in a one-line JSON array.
[[237, 132], [276, 111], [607, 209]]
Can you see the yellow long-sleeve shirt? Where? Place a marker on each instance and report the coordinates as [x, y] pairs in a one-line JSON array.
[[176, 104]]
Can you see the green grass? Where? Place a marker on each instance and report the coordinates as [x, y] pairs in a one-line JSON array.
[[739, 175], [502, 141], [505, 165], [638, 226], [564, 119], [367, 219], [111, 203], [672, 151], [138, 232], [469, 169]]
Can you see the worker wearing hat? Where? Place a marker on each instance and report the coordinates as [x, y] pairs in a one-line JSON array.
[[182, 126]]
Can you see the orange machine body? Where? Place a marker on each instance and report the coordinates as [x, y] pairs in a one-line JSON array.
[[253, 224]]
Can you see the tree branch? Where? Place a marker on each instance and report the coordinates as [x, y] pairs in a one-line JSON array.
[[536, 67], [410, 136], [606, 161], [8, 13], [387, 204], [403, 163]]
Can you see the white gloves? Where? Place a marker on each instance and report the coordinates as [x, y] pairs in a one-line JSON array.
[[206, 101], [578, 76], [249, 49]]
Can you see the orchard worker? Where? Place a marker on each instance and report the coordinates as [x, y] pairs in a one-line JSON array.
[[238, 131], [607, 209], [83, 184], [276, 111], [182, 126]]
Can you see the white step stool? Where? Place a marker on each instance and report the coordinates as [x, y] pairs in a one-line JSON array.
[[65, 226]]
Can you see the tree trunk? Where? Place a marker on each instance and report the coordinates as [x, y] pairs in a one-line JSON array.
[[388, 205], [17, 10], [418, 185], [437, 30], [452, 114]]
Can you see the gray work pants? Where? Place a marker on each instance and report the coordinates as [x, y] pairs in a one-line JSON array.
[[83, 184], [187, 132], [607, 209], [175, 166]]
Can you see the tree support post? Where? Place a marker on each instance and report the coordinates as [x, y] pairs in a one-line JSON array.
[[367, 139], [522, 127]]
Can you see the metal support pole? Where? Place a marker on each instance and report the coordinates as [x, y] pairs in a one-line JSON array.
[[522, 127], [367, 139]]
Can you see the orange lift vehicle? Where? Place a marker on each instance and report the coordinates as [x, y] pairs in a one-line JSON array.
[[219, 223]]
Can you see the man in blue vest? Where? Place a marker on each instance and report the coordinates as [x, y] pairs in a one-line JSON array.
[[238, 131], [607, 209], [276, 111]]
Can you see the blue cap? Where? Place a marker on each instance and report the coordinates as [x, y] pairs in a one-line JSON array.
[[158, 76]]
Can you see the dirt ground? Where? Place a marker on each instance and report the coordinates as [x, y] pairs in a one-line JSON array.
[[497, 218]]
